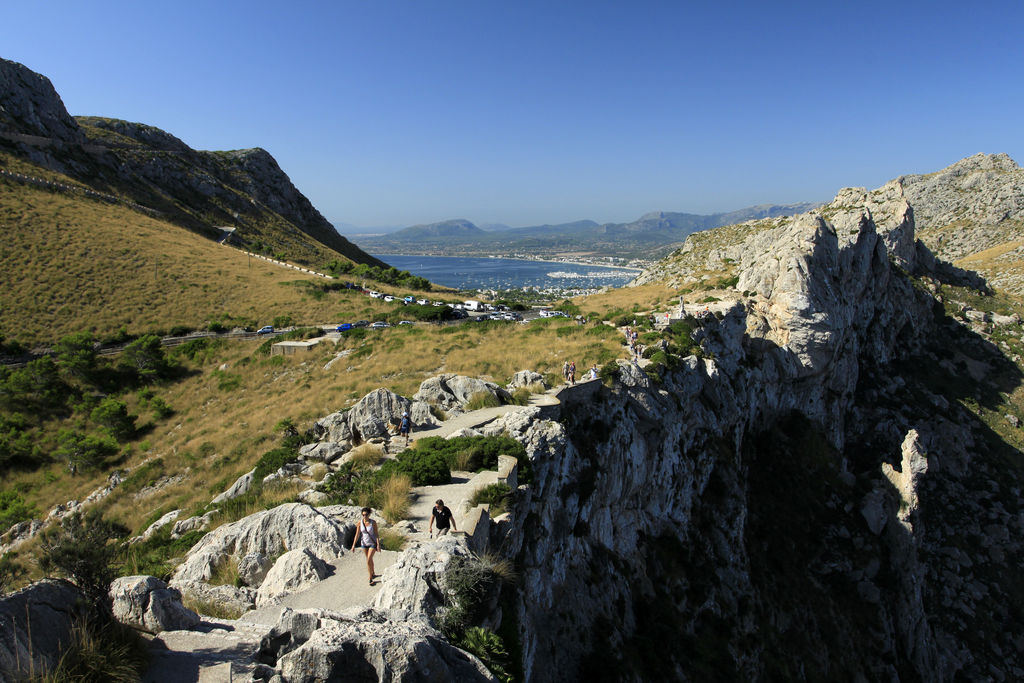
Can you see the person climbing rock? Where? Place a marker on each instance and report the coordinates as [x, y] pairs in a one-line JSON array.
[[368, 539], [445, 520]]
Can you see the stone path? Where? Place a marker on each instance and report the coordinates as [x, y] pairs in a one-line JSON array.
[[212, 653]]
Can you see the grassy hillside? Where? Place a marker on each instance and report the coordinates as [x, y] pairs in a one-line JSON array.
[[221, 408], [71, 263]]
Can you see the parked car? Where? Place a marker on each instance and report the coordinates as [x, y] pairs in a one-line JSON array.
[[406, 322], [389, 298], [379, 325], [266, 329], [343, 327], [361, 323], [422, 302]]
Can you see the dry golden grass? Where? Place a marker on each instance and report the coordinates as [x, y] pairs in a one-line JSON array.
[[74, 264], [365, 456], [395, 495], [215, 436], [644, 298]]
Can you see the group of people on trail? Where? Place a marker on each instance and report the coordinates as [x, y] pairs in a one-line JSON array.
[[632, 341], [569, 372], [367, 536]]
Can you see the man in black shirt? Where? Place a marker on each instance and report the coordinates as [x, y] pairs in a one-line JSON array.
[[444, 518]]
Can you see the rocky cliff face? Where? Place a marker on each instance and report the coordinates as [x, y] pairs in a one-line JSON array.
[[975, 204], [245, 189], [798, 503]]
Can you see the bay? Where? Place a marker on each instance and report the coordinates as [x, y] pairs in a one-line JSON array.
[[463, 272]]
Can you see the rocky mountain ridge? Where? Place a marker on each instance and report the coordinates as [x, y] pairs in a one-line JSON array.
[[809, 497], [244, 189], [644, 237]]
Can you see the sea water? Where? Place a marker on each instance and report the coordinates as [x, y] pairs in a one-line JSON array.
[[503, 273]]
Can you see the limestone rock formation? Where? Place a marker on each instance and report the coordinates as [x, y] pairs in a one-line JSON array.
[[31, 105], [146, 603], [320, 646], [293, 571], [292, 526], [416, 581], [239, 488], [36, 626], [525, 378], [369, 418], [451, 392], [975, 204]]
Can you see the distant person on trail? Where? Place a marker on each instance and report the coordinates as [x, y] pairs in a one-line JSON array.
[[565, 371], [572, 372], [368, 539], [593, 371], [445, 520], [405, 426]]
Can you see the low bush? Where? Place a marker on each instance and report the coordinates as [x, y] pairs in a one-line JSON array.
[[475, 453], [14, 509], [495, 495], [490, 649], [392, 539]]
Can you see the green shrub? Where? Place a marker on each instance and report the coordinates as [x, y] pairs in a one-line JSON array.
[[495, 495], [85, 451], [14, 509], [82, 550], [490, 649], [273, 460], [521, 396], [227, 381], [101, 651], [112, 413], [425, 468], [283, 321], [476, 453]]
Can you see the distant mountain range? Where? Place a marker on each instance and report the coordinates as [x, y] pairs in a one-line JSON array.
[[650, 236]]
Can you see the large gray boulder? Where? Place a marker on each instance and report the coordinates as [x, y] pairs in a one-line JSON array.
[[239, 488], [291, 526], [525, 378], [415, 582], [451, 392], [35, 626], [316, 645], [367, 419], [146, 603], [218, 600], [293, 571]]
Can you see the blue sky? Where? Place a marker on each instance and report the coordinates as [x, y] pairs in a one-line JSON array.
[[395, 113]]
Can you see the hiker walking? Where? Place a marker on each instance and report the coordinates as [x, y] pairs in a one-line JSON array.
[[405, 426], [572, 372], [368, 539], [444, 517], [565, 371]]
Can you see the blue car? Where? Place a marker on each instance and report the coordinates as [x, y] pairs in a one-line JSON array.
[[266, 329], [343, 327]]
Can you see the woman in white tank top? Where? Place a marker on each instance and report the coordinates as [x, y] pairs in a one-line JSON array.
[[367, 538]]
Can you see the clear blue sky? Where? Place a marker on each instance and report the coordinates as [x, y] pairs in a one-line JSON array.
[[519, 112]]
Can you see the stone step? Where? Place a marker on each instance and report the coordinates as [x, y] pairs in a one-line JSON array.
[[217, 673]]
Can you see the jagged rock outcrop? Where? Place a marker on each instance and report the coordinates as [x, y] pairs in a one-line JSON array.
[[525, 378], [369, 418], [416, 581], [156, 172], [239, 488], [451, 392], [975, 204], [146, 603], [293, 571], [36, 626], [286, 527], [31, 105], [366, 645], [762, 506]]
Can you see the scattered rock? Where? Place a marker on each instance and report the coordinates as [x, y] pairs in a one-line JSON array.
[[239, 488], [294, 570], [146, 603]]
